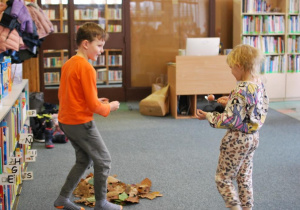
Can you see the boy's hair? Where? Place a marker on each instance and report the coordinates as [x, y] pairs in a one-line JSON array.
[[89, 31], [247, 57]]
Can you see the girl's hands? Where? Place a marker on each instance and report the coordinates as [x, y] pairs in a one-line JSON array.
[[201, 114]]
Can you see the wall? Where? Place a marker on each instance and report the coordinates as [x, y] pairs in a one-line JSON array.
[[158, 30], [224, 22]]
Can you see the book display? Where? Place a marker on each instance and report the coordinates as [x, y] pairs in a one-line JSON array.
[[14, 144], [67, 17], [273, 27]]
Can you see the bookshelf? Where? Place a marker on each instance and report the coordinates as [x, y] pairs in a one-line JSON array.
[[273, 27], [67, 17], [14, 123]]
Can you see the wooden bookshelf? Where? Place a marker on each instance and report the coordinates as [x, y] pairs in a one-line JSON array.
[[198, 75], [273, 27], [14, 122], [67, 18]]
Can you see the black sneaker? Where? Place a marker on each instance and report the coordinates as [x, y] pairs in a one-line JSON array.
[[40, 136], [48, 138], [60, 138]]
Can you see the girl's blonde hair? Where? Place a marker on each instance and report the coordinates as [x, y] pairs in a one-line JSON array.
[[247, 57], [90, 31]]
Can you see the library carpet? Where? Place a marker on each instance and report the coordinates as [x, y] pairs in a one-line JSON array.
[[180, 157]]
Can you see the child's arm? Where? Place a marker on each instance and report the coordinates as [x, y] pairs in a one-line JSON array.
[[223, 100], [233, 116]]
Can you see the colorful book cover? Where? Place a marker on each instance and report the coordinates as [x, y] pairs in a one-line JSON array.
[[5, 79], [7, 59]]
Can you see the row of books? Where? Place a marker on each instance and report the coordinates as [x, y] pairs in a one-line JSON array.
[[114, 14], [13, 152], [57, 28], [5, 77], [293, 44], [263, 24], [54, 61], [88, 14], [294, 63], [51, 78], [273, 64], [101, 75], [252, 6], [115, 75], [268, 44], [294, 26], [99, 62], [294, 6], [114, 28], [115, 60]]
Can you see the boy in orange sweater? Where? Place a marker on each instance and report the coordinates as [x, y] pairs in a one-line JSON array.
[[78, 101]]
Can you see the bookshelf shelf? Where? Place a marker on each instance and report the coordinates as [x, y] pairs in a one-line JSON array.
[[14, 121], [273, 27]]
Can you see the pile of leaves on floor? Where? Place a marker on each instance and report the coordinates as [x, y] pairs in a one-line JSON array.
[[117, 191]]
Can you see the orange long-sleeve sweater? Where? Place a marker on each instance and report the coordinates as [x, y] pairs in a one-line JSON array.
[[77, 94]]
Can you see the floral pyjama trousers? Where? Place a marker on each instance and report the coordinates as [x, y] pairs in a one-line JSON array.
[[236, 163]]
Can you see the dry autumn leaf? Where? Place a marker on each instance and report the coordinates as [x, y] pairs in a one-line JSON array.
[[118, 191]]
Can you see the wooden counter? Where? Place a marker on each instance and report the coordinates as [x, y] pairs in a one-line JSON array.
[[198, 75]]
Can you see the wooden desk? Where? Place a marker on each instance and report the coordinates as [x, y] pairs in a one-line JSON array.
[[198, 75]]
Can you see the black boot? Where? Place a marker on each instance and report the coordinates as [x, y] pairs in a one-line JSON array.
[[48, 138]]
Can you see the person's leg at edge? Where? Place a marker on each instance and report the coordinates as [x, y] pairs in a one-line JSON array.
[[90, 140], [83, 161], [244, 177], [228, 167], [102, 163]]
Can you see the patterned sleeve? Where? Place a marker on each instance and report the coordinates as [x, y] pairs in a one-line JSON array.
[[235, 113]]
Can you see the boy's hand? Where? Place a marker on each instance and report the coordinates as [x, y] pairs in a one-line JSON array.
[[103, 100], [201, 114], [223, 100], [114, 105]]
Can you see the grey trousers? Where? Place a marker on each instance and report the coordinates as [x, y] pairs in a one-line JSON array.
[[89, 148]]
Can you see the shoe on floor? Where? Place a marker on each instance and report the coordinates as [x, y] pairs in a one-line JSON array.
[[40, 136], [48, 138]]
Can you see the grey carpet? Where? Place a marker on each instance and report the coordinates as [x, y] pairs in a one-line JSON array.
[[180, 157]]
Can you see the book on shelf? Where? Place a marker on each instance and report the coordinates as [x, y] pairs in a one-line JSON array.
[[294, 6], [101, 75], [252, 6], [6, 79], [51, 78], [115, 75]]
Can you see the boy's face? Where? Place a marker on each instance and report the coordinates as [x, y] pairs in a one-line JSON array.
[[95, 48]]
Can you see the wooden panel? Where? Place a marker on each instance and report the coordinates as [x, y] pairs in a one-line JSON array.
[[293, 85], [203, 75], [275, 85], [172, 85], [224, 22], [31, 72]]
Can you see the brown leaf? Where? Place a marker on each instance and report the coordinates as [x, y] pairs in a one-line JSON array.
[[151, 195], [146, 182], [143, 189], [133, 199], [111, 180]]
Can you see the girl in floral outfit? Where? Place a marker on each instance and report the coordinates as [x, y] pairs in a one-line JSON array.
[[245, 112]]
